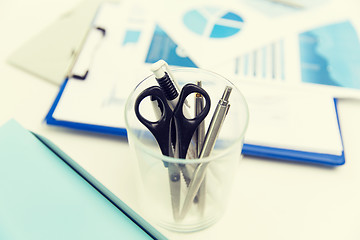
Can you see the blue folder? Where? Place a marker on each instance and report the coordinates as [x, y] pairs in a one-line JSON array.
[[47, 195]]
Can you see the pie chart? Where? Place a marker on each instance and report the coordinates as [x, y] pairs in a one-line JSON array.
[[213, 22]]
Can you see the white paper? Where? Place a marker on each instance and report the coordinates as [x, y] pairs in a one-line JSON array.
[[291, 118], [207, 29], [213, 30], [115, 67], [279, 116], [272, 49], [325, 57]]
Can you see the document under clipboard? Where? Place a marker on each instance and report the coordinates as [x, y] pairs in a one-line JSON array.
[[117, 55]]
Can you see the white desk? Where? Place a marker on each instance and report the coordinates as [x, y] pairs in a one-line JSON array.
[[270, 199]]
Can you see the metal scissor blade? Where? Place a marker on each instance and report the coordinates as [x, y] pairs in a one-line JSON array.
[[201, 196], [185, 174], [195, 184], [175, 187]]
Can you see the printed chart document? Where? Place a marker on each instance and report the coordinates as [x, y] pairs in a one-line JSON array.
[[305, 42], [327, 57]]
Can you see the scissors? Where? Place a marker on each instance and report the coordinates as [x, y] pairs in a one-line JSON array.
[[162, 130]]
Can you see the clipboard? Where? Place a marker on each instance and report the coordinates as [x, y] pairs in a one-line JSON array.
[[54, 62], [248, 149], [147, 41], [158, 46]]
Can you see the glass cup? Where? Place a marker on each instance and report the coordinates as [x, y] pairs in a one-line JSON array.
[[219, 167]]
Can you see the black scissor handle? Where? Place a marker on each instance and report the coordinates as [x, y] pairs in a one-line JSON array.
[[186, 127], [161, 129]]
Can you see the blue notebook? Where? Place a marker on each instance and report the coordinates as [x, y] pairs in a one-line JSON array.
[[105, 61], [46, 195]]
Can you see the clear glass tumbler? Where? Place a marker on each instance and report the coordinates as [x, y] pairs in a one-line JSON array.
[[219, 167]]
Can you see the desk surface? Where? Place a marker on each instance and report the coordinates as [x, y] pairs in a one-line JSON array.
[[269, 199]]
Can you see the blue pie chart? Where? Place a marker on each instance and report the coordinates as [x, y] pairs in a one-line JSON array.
[[213, 22]]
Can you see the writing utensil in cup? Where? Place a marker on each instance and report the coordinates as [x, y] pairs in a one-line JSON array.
[[199, 140], [208, 145]]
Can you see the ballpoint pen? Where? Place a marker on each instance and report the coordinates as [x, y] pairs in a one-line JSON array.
[[209, 143], [200, 132], [200, 135]]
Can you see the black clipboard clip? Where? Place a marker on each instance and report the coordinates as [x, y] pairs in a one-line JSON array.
[[81, 66]]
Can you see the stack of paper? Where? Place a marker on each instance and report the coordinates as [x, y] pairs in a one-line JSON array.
[[243, 41]]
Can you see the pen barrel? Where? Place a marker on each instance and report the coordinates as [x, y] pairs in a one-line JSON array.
[[215, 125], [200, 132]]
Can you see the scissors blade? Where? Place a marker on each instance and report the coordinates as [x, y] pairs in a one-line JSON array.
[[185, 174], [175, 187], [195, 184], [200, 197]]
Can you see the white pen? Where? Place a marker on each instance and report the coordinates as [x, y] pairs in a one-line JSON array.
[[167, 83], [171, 90]]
